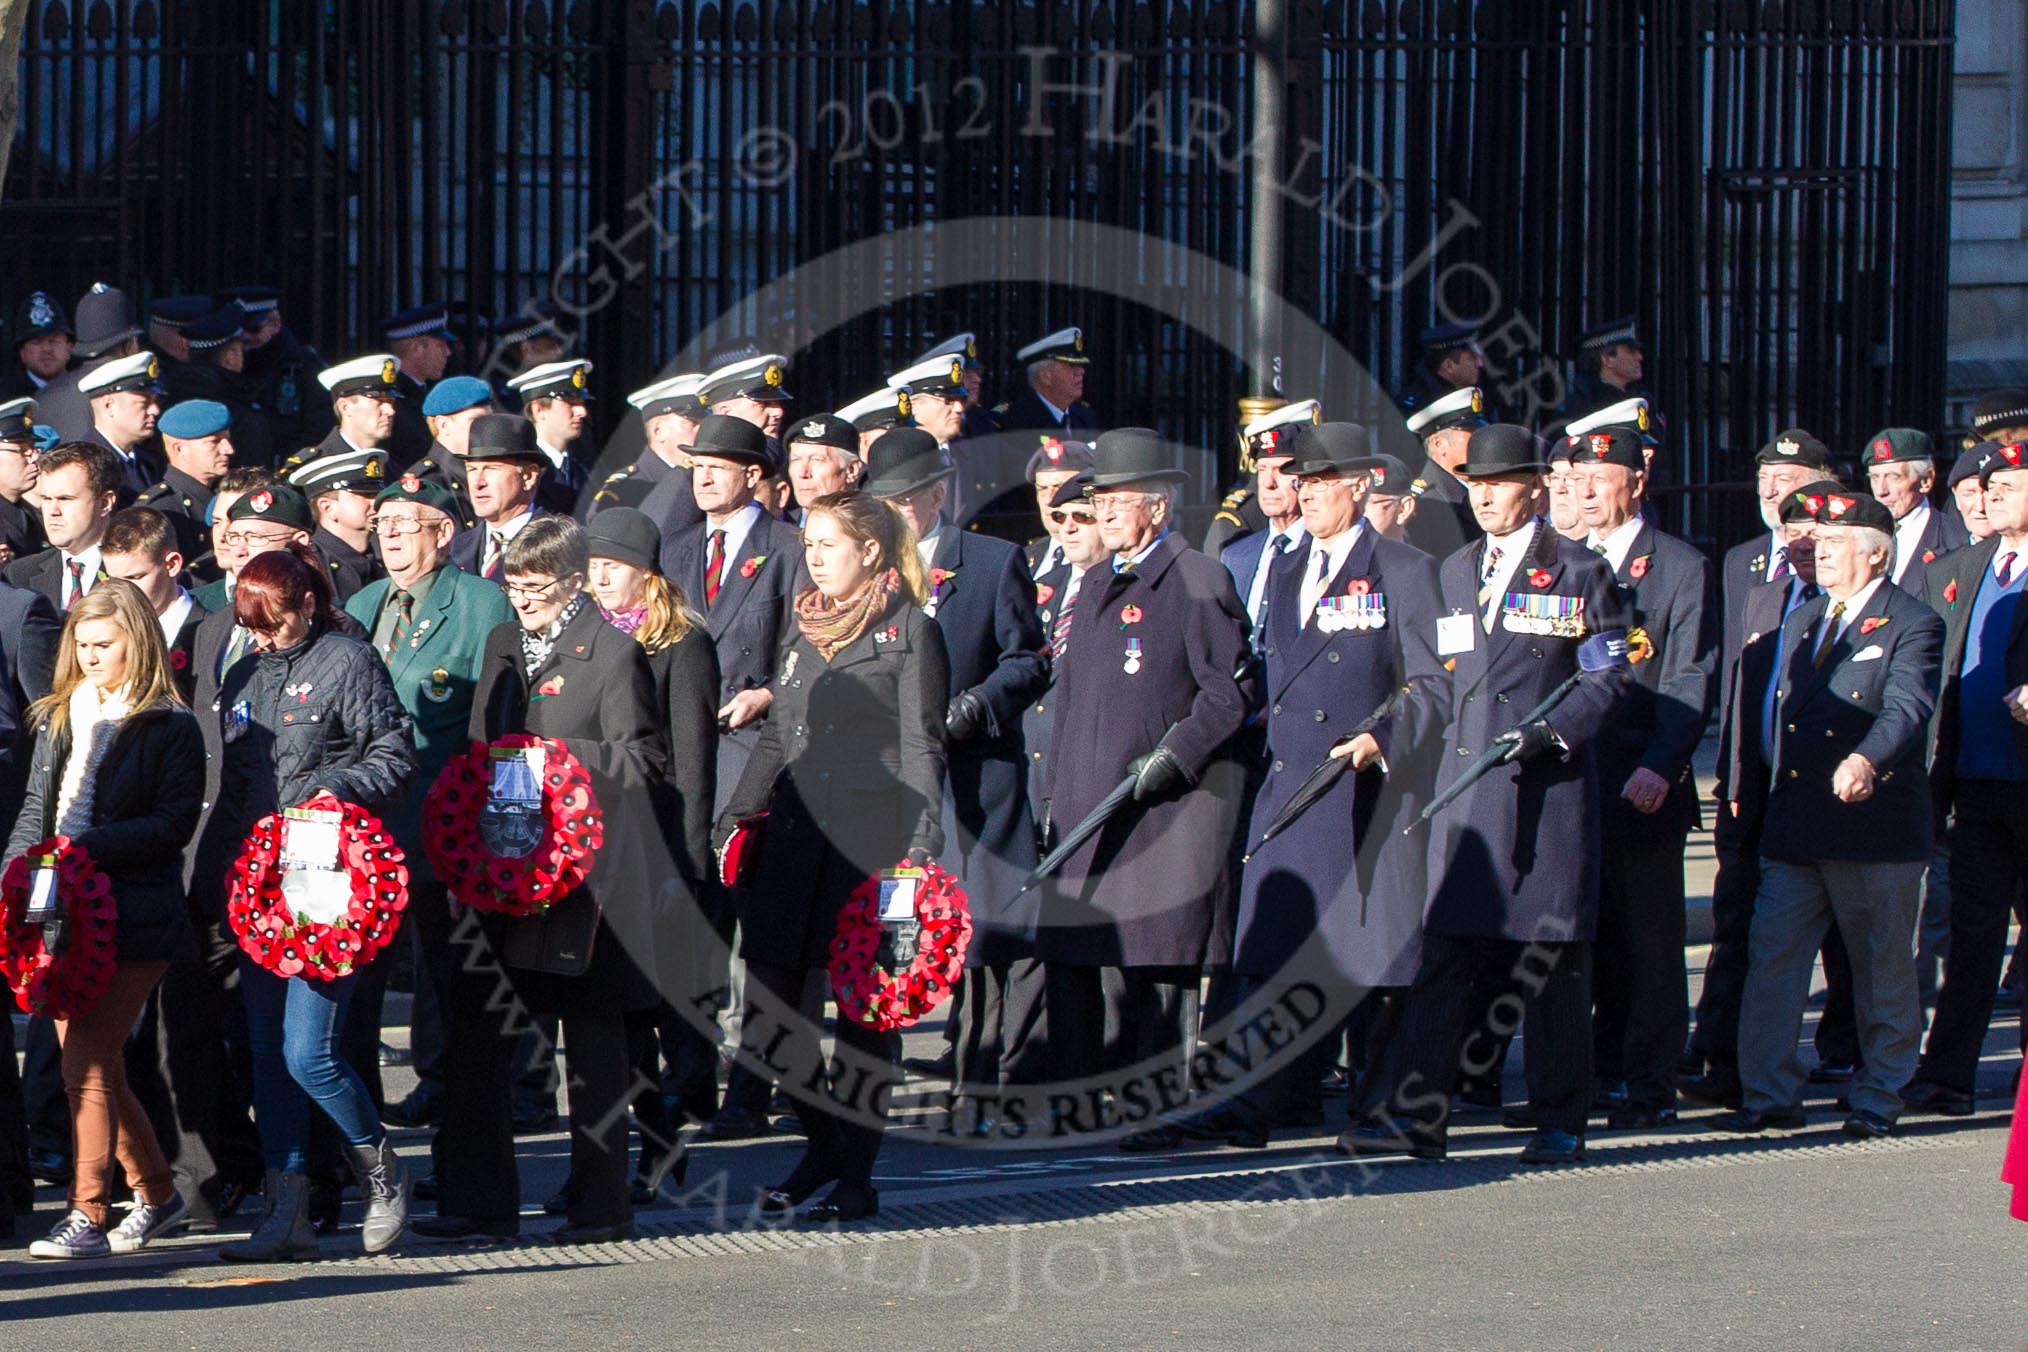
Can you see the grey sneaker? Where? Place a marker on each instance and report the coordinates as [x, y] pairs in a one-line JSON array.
[[74, 1237], [144, 1223]]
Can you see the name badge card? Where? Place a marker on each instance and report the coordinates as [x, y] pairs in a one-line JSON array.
[[313, 883], [1454, 634]]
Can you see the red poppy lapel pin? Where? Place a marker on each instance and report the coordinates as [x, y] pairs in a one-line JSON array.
[[1929, 556], [1638, 569], [1538, 577], [1043, 591], [1951, 592], [939, 576], [1870, 623], [1130, 615], [178, 659], [552, 686], [1358, 586], [752, 565]]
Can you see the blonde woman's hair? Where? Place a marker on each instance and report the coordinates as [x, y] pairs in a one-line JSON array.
[[866, 517], [149, 683], [669, 616]]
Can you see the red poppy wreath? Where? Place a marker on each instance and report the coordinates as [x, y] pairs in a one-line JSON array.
[[871, 995], [68, 982], [565, 837], [288, 944]]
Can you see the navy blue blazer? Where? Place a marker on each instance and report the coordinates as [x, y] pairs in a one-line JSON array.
[[1516, 856], [1872, 696], [1667, 586], [1941, 534], [468, 546]]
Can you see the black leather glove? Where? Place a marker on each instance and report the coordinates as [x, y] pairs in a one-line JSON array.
[[967, 716], [1528, 741], [1157, 774]]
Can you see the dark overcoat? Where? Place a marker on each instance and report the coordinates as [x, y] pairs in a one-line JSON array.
[[1346, 873], [145, 803], [850, 770], [1516, 857], [1872, 696], [1742, 768], [1667, 586], [985, 607], [1144, 890], [595, 694], [747, 621], [1038, 718]]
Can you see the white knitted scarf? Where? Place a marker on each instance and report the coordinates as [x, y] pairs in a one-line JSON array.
[[94, 717]]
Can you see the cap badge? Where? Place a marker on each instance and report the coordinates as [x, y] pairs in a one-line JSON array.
[[1601, 444], [373, 467], [971, 349], [263, 500], [1837, 507], [39, 313], [901, 405], [410, 484], [773, 375], [1478, 400], [1881, 449], [154, 368], [1052, 448], [1788, 447], [577, 376], [387, 370], [1077, 339], [1813, 503], [812, 430], [957, 371], [1641, 418]]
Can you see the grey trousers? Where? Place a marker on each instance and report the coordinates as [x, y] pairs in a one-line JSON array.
[[1876, 906]]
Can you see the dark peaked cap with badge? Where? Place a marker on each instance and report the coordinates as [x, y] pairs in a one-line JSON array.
[[1128, 455], [903, 461], [1503, 448], [724, 437], [1340, 447]]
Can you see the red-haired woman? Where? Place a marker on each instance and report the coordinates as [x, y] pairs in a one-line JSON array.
[[313, 713]]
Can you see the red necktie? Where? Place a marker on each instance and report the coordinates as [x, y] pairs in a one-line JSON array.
[[714, 566], [2006, 567], [77, 583]]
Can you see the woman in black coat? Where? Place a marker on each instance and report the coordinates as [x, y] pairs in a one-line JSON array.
[[850, 770], [118, 767], [692, 944], [559, 670]]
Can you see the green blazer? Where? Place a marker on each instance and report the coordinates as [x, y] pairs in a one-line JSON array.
[[435, 674]]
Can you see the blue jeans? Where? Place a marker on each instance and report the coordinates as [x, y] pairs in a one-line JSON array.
[[293, 1025]]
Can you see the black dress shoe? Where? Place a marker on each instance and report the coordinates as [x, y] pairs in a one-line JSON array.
[[420, 1109], [1150, 1140], [49, 1166], [1213, 1124], [734, 1124], [1520, 1117], [1374, 1139], [1867, 1126], [1832, 1072], [1550, 1146], [466, 1227], [426, 1188], [592, 1234], [941, 1067], [1935, 1098], [846, 1203], [533, 1118], [1749, 1123], [396, 1056], [1631, 1118], [1716, 1091], [1248, 1136]]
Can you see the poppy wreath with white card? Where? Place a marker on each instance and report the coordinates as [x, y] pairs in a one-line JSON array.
[[513, 826], [57, 917], [317, 890], [889, 996]]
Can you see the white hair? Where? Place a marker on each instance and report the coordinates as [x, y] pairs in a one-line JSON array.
[[1035, 368], [1870, 540]]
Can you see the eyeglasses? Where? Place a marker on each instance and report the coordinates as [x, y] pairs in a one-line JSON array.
[[524, 591], [254, 537], [394, 525], [1057, 516]]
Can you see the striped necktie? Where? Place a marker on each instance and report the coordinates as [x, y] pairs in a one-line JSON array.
[[714, 567], [1486, 575], [496, 550], [77, 583], [404, 614], [1059, 630], [1830, 634]]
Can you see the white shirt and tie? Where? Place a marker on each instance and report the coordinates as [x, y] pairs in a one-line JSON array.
[[1327, 557], [1499, 559], [1616, 545], [1279, 542], [494, 547], [172, 619], [80, 574], [1908, 540]]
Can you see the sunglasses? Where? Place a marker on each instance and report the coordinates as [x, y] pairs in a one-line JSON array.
[[1057, 516]]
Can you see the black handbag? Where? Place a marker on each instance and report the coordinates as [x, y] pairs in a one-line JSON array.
[[558, 942]]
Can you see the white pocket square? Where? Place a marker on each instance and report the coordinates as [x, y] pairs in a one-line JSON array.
[[1868, 653]]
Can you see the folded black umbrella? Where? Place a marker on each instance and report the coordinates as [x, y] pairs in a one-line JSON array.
[[1122, 794], [1319, 781], [1496, 754]]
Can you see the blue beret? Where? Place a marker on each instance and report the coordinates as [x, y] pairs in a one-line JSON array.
[[194, 418], [454, 394]]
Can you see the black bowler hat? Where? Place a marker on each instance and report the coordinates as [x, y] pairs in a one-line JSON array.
[[1502, 448], [724, 437], [903, 461], [503, 436], [625, 534], [1129, 455], [1341, 446], [1840, 508], [1616, 445]]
